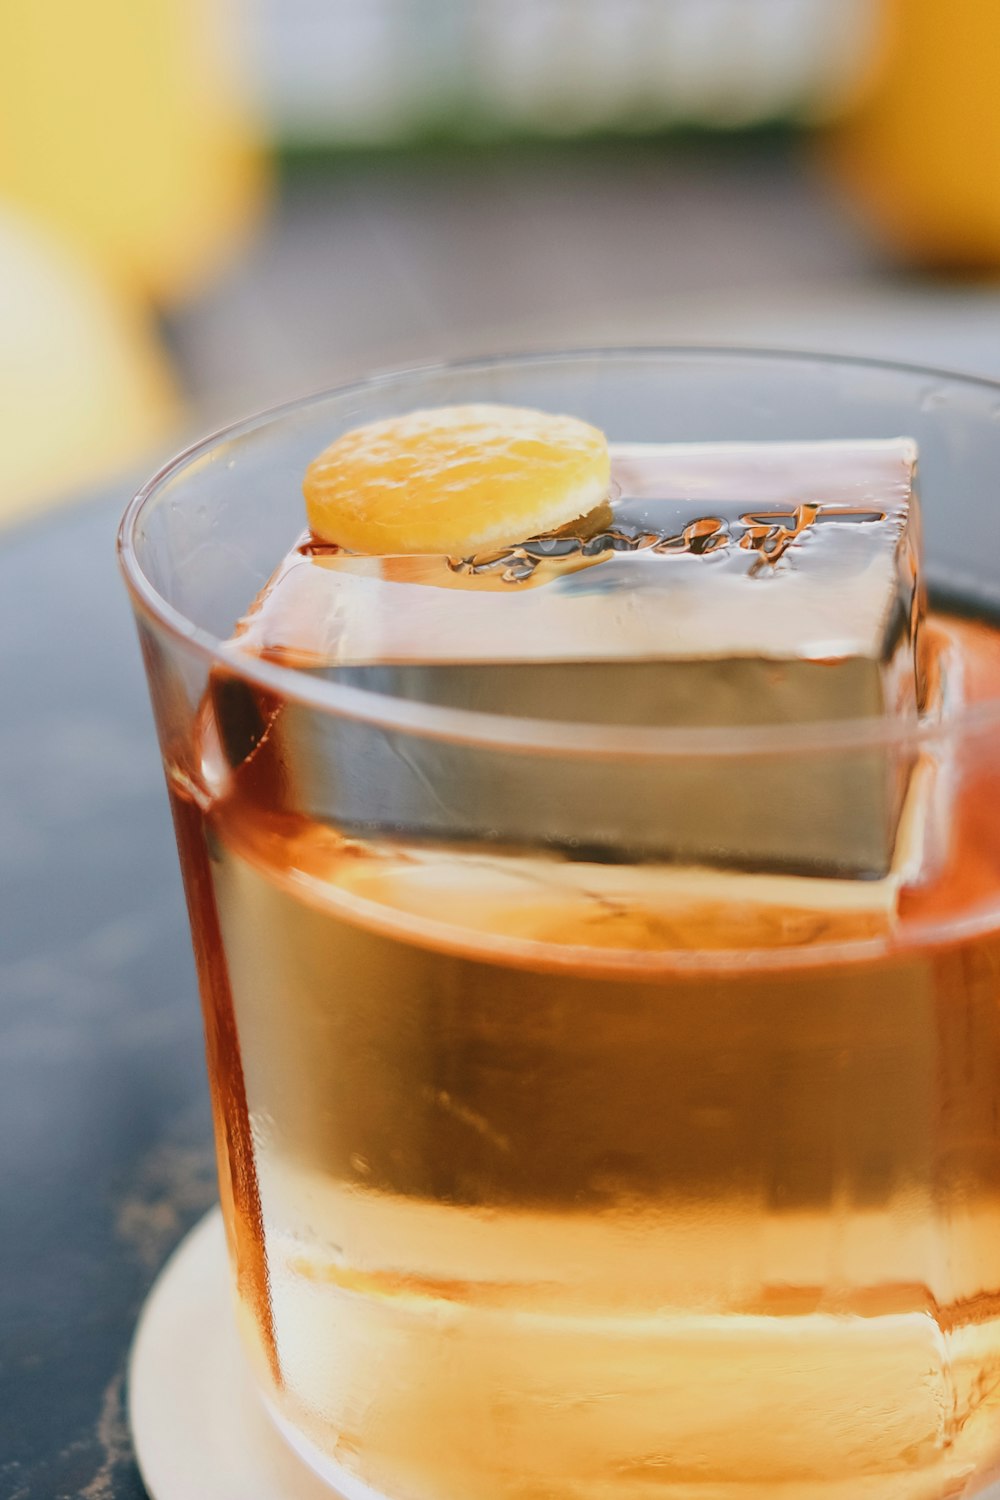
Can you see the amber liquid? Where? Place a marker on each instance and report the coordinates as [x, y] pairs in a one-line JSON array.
[[534, 1191]]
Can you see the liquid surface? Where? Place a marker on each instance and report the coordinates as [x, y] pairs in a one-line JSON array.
[[544, 1184]]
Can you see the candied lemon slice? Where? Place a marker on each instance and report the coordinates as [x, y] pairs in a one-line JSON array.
[[455, 479]]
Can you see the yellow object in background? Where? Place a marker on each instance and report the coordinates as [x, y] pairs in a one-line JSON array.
[[84, 388], [921, 152], [125, 128]]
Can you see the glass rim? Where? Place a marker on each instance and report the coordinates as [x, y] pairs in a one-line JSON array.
[[507, 731]]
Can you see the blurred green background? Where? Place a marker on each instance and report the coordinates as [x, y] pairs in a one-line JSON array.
[[207, 206]]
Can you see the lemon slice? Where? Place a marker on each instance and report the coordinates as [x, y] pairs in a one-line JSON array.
[[455, 480]]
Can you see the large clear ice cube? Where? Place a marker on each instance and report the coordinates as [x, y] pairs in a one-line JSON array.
[[728, 585]]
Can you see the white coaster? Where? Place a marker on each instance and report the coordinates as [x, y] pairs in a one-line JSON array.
[[198, 1425]]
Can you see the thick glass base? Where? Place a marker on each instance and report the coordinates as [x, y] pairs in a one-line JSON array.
[[340, 1480]]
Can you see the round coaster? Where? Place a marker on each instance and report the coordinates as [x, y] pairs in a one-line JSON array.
[[198, 1424]]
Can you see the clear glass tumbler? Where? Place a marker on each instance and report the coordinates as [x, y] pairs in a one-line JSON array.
[[548, 1169]]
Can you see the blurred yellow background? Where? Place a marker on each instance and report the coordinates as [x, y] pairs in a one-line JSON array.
[[921, 149], [212, 204], [130, 165]]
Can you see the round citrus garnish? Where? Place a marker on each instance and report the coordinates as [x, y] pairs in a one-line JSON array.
[[455, 479]]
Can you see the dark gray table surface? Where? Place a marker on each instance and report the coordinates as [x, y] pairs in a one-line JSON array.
[[104, 1122]]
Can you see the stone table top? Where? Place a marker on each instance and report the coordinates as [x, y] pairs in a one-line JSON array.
[[103, 1108]]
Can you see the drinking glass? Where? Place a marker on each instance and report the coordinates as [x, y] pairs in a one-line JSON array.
[[550, 1166]]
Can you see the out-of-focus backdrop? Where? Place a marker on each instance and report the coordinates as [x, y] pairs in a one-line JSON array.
[[210, 205]]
